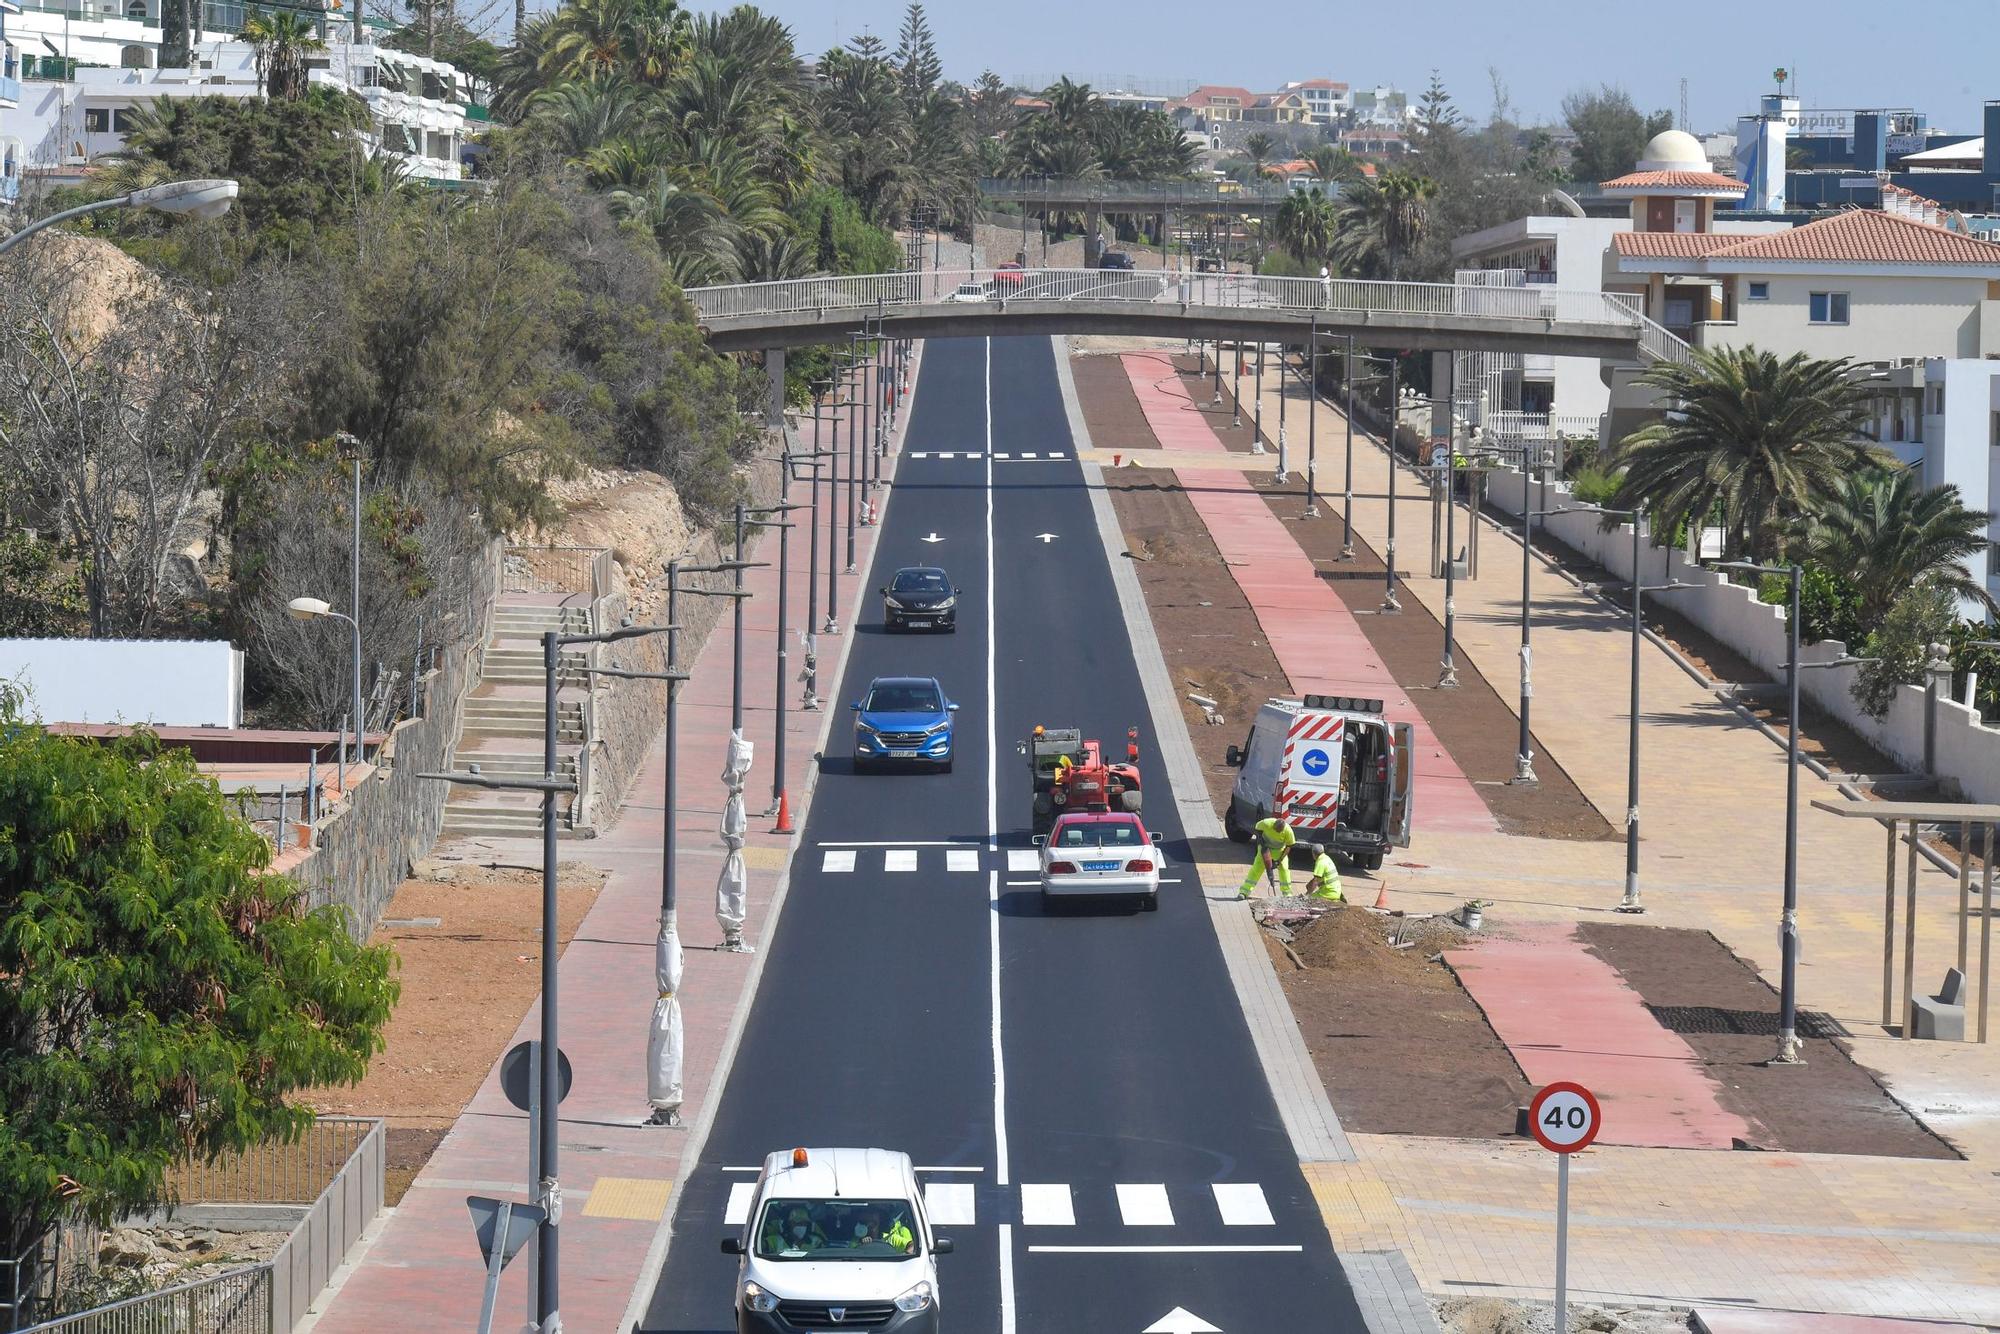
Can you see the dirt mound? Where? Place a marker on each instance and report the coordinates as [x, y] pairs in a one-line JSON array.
[[94, 276], [637, 514], [1354, 942]]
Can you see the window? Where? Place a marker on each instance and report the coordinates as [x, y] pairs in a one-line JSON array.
[[1937, 400], [96, 120], [135, 57], [1828, 308], [1759, 292], [1684, 215], [844, 1229], [122, 120]]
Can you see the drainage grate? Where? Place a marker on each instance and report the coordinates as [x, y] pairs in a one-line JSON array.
[[1750, 1023]]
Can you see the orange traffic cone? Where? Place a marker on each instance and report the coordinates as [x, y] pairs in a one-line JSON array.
[[784, 825], [1382, 896]]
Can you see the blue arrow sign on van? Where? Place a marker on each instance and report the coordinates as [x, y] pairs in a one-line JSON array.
[[1315, 763]]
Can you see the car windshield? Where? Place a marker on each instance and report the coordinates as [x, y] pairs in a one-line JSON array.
[[1099, 834], [843, 1229], [920, 581], [903, 697]]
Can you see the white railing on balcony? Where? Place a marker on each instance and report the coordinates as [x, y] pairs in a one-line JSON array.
[[1656, 342], [1554, 307]]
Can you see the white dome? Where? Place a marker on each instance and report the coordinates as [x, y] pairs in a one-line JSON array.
[[1673, 150]]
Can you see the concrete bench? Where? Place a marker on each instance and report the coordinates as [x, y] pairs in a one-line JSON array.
[[1942, 1017]]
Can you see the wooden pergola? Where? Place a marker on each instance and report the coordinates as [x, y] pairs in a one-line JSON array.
[[1914, 814]]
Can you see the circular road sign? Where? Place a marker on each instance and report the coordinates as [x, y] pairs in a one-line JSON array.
[[1564, 1117], [516, 1067], [1315, 762]]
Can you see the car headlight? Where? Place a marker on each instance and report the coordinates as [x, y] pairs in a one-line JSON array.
[[916, 1299], [935, 728], [862, 726], [891, 603], [945, 605], [756, 1299]]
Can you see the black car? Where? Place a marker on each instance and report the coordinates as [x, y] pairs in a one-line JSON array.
[[1115, 259], [920, 597]]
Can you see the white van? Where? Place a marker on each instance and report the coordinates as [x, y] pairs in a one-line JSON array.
[[1343, 771], [837, 1239]]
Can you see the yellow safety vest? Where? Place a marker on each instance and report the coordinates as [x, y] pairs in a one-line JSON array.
[[899, 1235]]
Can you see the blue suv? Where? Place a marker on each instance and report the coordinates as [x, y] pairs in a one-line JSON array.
[[903, 718]]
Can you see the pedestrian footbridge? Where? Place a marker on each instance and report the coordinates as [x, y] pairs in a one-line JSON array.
[[1169, 304]]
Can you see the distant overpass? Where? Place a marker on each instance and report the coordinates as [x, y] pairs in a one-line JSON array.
[[1080, 194], [1164, 304]]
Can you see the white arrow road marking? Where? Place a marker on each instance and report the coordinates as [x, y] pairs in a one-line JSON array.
[[1045, 538], [930, 537], [738, 1212], [1047, 1206], [1180, 1320], [1242, 1204], [1145, 1205], [949, 1203]]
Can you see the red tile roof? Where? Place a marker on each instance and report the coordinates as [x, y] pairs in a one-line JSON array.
[[1207, 93], [1671, 245], [1656, 181], [1857, 236], [1867, 236]]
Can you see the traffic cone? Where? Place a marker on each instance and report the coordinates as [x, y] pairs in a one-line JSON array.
[[1117, 460], [1382, 897], [784, 825]]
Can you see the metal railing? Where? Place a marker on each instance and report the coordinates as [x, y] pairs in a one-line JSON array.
[[1059, 191], [582, 570], [336, 1168], [1655, 340], [1508, 424], [882, 291]]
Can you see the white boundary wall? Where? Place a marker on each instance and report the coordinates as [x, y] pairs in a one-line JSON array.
[[165, 682], [1968, 753]]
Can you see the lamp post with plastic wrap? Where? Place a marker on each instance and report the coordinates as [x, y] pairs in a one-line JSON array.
[[764, 517], [814, 461], [544, 1141]]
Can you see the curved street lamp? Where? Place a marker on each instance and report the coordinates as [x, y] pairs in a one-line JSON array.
[[312, 609], [195, 199]]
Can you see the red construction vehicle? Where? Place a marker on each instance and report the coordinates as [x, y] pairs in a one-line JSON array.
[[1071, 774]]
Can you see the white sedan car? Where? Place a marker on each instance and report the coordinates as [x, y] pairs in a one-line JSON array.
[[1100, 854], [968, 292]]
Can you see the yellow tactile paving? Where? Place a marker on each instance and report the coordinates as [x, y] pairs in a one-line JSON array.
[[640, 1199]]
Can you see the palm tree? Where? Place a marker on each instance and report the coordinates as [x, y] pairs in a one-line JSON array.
[[1382, 221], [695, 236], [1307, 225], [1334, 165], [644, 40], [281, 41], [1758, 441], [581, 116], [1259, 147], [1882, 531]]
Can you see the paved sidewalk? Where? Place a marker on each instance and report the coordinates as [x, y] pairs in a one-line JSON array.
[[1814, 1232], [422, 1270]]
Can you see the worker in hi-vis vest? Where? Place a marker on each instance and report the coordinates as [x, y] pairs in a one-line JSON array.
[[1325, 876], [1274, 839]]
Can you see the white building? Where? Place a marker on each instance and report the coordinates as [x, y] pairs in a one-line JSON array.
[[1382, 107], [1326, 101], [1960, 439], [88, 74], [11, 147]]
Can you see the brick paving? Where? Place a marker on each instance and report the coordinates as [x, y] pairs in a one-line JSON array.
[[422, 1270]]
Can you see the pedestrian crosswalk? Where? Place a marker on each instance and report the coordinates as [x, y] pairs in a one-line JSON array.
[[933, 859], [1141, 1204], [998, 456]]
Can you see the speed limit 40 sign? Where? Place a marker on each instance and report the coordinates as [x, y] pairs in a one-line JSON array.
[[1564, 1117]]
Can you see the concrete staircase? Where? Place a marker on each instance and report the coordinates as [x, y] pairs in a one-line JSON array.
[[502, 728]]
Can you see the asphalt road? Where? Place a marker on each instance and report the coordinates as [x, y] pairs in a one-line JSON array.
[[1130, 1088]]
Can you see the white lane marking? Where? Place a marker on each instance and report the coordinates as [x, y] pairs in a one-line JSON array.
[[1165, 1250], [1047, 1206], [1003, 456], [900, 859], [1016, 884], [738, 1212], [1242, 1204], [1006, 1278], [949, 1203], [993, 877], [920, 454], [920, 1171], [962, 859], [1023, 859], [948, 454], [901, 843], [837, 861], [1030, 456], [1145, 1205]]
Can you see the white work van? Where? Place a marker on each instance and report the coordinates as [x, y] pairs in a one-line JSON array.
[[1344, 773], [837, 1238]]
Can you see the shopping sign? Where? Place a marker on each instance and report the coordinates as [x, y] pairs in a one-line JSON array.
[[1564, 1117]]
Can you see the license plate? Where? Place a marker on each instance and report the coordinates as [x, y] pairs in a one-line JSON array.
[[916, 620], [1100, 866]]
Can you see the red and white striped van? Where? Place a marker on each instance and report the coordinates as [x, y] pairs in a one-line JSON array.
[[1339, 768]]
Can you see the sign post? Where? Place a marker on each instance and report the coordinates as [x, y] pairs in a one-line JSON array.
[[1564, 1118]]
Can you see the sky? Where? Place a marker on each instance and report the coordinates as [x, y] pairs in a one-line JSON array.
[[1939, 57]]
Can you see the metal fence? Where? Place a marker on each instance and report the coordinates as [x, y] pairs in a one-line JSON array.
[[582, 570], [1554, 307], [1058, 191], [336, 1168]]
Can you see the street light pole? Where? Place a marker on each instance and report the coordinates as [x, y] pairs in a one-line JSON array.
[[1631, 904], [780, 807], [1524, 757], [1312, 416], [856, 420], [197, 198], [1389, 603]]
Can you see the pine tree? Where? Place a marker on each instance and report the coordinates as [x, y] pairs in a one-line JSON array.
[[1438, 118], [866, 47], [917, 64]]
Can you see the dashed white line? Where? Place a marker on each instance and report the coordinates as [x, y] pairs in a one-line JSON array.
[[738, 1212], [1145, 1205], [1166, 1250], [962, 859], [837, 861], [1023, 859], [1047, 1206], [900, 859], [1242, 1204], [949, 1203]]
